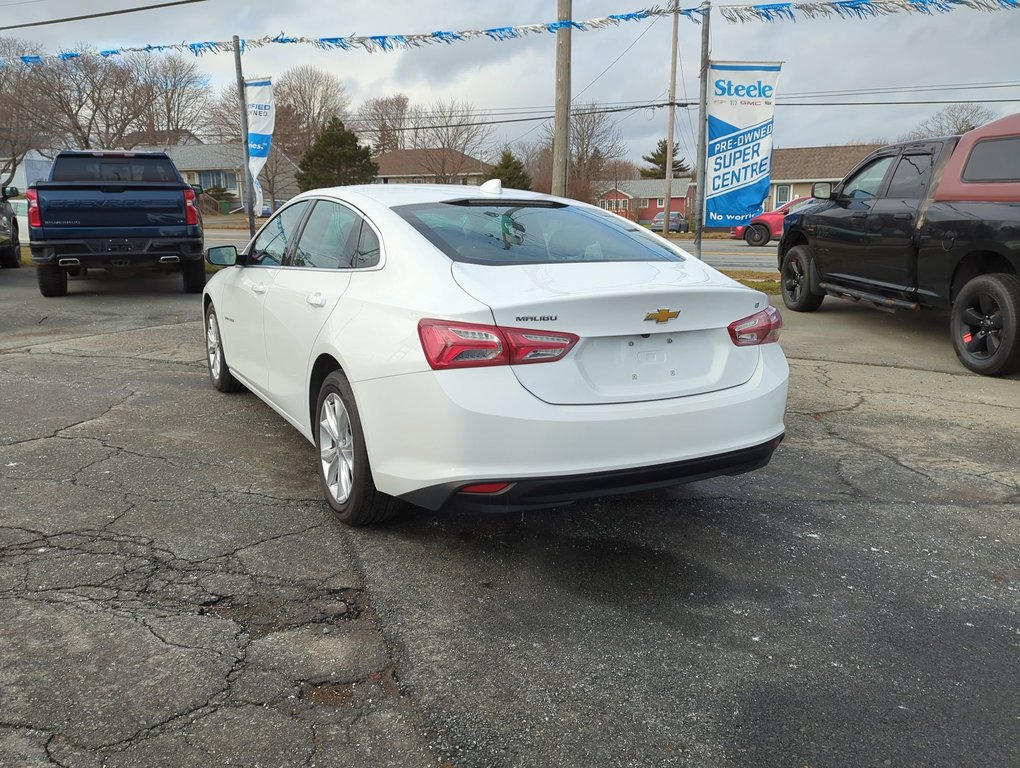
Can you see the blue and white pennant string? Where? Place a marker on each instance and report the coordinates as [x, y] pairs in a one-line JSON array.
[[768, 12]]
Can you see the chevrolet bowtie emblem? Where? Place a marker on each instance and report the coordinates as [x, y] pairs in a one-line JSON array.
[[662, 316]]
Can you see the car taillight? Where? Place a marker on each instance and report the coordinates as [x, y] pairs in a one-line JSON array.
[[190, 209], [449, 344], [759, 328], [34, 214]]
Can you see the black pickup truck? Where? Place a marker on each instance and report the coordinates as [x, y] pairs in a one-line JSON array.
[[933, 223], [121, 211]]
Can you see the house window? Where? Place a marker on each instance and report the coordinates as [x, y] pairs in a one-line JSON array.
[[782, 194], [603, 205], [225, 179], [624, 204], [660, 202], [418, 180], [644, 202]]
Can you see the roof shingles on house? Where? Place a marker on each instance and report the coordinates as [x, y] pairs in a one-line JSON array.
[[799, 164], [443, 165], [645, 188]]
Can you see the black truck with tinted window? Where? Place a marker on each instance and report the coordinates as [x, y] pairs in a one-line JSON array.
[[118, 211], [921, 224]]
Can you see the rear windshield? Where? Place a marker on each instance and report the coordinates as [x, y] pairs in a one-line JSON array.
[[86, 168], [526, 233]]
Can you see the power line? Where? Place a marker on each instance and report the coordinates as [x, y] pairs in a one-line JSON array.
[[99, 15]]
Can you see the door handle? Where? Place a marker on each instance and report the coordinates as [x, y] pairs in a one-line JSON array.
[[859, 215], [255, 287], [903, 216], [316, 300]]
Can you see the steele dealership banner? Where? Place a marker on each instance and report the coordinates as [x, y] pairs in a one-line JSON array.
[[741, 104], [258, 94]]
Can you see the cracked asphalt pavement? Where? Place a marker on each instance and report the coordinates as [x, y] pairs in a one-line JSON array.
[[173, 591]]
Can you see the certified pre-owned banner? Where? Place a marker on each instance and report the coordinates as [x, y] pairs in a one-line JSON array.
[[261, 121], [741, 104]]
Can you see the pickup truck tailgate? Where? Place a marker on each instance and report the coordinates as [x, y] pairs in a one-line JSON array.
[[76, 210]]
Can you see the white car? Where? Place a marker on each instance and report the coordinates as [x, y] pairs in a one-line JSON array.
[[489, 348]]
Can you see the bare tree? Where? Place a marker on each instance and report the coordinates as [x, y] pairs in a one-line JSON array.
[[316, 97], [89, 102], [383, 122], [181, 98], [951, 120], [225, 117], [18, 133], [451, 138], [537, 159], [595, 142]]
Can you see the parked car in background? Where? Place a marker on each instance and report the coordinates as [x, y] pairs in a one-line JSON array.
[[769, 225], [464, 346], [10, 244], [930, 223], [677, 222], [118, 211]]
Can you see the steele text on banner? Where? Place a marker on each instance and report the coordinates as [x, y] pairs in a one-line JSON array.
[[741, 107], [261, 120]]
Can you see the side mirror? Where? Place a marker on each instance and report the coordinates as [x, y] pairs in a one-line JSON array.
[[198, 189], [822, 190], [11, 192], [222, 256]]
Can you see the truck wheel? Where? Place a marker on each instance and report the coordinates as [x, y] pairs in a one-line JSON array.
[[756, 234], [11, 256], [344, 472], [193, 273], [793, 277], [220, 375], [52, 280], [986, 324]]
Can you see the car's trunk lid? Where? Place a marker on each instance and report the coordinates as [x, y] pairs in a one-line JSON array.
[[648, 330]]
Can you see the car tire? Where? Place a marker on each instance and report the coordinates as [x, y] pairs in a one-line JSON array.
[[756, 235], [985, 324], [344, 471], [11, 256], [193, 273], [219, 372], [52, 280], [794, 281]]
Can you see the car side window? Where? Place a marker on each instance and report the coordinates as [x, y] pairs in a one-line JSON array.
[[868, 181], [270, 246], [367, 253], [910, 179], [326, 238]]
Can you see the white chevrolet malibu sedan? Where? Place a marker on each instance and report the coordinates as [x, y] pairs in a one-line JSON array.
[[495, 349]]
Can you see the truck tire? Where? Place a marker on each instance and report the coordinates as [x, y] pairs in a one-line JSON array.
[[793, 277], [756, 234], [52, 280], [985, 324], [193, 273], [10, 257]]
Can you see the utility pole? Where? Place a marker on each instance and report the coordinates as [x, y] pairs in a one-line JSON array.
[[250, 185], [668, 196], [699, 192], [561, 126]]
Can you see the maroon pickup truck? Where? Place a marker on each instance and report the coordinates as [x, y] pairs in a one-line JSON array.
[[932, 223]]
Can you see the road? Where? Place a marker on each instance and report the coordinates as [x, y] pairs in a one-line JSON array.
[[173, 591], [721, 254]]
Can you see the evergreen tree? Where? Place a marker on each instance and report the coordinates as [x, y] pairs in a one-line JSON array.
[[334, 159], [657, 160], [511, 172]]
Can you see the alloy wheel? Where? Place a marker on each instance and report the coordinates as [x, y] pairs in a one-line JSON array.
[[980, 326], [793, 280], [213, 346], [336, 448]]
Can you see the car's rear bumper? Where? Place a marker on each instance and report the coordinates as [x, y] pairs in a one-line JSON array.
[[429, 434], [540, 492]]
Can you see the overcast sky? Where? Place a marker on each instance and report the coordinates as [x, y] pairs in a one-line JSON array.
[[824, 55]]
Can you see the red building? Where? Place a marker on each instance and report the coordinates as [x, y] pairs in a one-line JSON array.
[[641, 199]]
